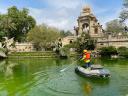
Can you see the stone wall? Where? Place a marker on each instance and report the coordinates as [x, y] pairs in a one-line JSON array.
[[113, 41], [66, 40], [23, 47]]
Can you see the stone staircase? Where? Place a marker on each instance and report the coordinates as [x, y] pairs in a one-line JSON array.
[[47, 54]]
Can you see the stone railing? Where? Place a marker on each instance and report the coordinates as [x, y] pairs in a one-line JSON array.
[[113, 39]]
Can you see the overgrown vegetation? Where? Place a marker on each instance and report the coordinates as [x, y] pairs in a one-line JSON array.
[[83, 42], [65, 33], [124, 13], [16, 23], [115, 27], [108, 51], [118, 25], [123, 52], [43, 36]]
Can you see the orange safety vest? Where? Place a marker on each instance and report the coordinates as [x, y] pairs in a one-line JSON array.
[[88, 55]]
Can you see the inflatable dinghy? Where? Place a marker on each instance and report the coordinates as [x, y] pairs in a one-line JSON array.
[[93, 71]]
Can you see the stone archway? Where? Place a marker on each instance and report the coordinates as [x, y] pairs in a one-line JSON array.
[[96, 31]]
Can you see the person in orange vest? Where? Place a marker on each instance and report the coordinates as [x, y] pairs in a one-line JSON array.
[[86, 58]]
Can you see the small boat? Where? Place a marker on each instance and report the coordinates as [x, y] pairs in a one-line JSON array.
[[93, 71]]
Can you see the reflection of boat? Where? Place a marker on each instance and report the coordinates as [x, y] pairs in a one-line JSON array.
[[93, 71]]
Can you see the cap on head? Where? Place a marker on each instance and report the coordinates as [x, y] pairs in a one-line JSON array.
[[84, 51]]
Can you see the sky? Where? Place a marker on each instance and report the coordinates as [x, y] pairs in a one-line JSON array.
[[63, 14]]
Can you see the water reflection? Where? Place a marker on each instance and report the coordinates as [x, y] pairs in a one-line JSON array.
[[6, 68], [42, 77], [88, 88], [2, 66]]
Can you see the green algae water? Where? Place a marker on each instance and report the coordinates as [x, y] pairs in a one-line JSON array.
[[43, 77]]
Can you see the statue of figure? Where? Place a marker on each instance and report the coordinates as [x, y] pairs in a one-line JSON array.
[[8, 42], [58, 45], [76, 30], [85, 28]]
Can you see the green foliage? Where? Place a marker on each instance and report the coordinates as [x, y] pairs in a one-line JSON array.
[[43, 36], [4, 50], [65, 33], [108, 51], [16, 23], [123, 51], [85, 42], [123, 15], [124, 12], [64, 51], [1, 49], [2, 34], [115, 26]]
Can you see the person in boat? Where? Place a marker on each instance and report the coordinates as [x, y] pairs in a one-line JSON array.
[[86, 57]]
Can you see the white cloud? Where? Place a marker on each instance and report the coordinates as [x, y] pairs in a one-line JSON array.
[[61, 13], [60, 19]]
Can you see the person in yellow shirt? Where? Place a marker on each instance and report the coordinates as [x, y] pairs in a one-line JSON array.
[[86, 58]]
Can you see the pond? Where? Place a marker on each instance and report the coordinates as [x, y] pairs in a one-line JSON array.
[[43, 77]]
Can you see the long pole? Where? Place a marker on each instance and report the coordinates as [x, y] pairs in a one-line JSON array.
[[69, 66]]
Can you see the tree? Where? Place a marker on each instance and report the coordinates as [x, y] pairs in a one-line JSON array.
[[123, 51], [65, 33], [43, 36], [108, 51], [124, 13], [16, 23], [85, 42], [115, 26]]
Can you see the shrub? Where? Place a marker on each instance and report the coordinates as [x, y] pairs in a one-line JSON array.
[[123, 51], [108, 51]]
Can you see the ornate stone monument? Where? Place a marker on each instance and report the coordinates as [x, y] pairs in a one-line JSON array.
[[88, 23]]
